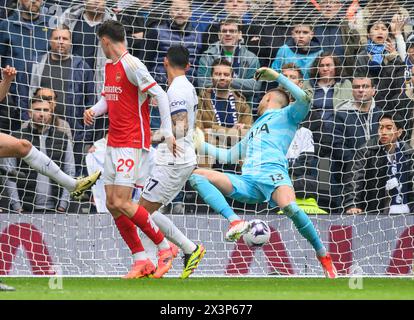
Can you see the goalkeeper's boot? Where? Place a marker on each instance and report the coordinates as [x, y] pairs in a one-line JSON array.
[[5, 287], [140, 269], [165, 259], [83, 184], [192, 260], [237, 229], [328, 266]]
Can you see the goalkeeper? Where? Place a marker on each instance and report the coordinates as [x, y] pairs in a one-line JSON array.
[[264, 175]]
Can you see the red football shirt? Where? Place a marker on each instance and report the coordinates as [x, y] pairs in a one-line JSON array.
[[127, 82]]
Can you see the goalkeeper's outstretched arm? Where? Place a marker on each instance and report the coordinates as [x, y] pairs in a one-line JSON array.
[[224, 156], [300, 108]]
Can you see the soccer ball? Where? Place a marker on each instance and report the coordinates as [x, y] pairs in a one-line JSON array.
[[258, 235]]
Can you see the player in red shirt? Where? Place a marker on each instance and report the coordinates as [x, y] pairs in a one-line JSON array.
[[125, 97]]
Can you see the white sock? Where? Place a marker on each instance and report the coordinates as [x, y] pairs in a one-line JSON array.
[[173, 233], [44, 165], [140, 256]]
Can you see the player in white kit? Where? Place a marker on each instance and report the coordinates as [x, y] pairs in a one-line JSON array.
[[170, 173]]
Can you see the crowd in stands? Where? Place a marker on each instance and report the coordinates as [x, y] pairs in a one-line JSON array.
[[355, 58]]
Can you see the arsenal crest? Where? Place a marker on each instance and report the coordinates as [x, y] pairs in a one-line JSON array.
[[118, 77]]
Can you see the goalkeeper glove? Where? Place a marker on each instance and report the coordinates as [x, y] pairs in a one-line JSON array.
[[198, 139], [266, 74]]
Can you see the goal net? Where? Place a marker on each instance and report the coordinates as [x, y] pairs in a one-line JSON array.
[[350, 162]]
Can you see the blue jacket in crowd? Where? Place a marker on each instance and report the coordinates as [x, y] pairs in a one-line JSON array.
[[289, 53], [21, 44]]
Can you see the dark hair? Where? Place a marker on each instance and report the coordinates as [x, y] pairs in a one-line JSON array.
[[36, 93], [395, 117], [314, 71], [220, 62], [373, 80], [373, 22], [178, 56], [35, 100], [114, 30], [293, 66], [61, 27], [281, 92], [231, 20]]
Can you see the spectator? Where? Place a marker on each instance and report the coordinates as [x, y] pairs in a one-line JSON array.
[[71, 79], [204, 12], [294, 74], [335, 35], [37, 192], [221, 106], [177, 30], [380, 10], [301, 49], [329, 89], [83, 21], [23, 37], [329, 92], [380, 59], [138, 17], [270, 30], [244, 63], [383, 173], [234, 9], [46, 94], [355, 122], [409, 59]]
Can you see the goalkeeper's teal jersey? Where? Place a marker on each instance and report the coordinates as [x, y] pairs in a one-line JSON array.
[[268, 141], [265, 145]]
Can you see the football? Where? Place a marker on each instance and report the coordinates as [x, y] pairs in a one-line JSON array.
[[258, 235]]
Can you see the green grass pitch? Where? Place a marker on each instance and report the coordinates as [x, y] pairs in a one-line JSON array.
[[209, 288]]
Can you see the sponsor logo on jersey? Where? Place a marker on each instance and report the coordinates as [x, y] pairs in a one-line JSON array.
[[113, 89], [177, 103], [112, 92], [118, 77]]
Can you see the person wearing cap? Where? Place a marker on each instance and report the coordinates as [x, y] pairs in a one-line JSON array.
[[382, 172]]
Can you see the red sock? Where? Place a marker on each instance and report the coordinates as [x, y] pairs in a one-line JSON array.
[[143, 220], [128, 231]]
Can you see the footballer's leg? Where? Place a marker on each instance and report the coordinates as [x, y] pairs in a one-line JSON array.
[[11, 147], [161, 187], [284, 196], [142, 266], [212, 186]]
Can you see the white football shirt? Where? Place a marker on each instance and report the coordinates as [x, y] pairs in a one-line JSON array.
[[182, 97]]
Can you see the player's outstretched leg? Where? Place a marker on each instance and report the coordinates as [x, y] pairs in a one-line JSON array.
[[192, 253], [11, 147], [284, 196], [211, 185]]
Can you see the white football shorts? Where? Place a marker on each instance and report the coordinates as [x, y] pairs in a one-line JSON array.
[[165, 182], [126, 166]]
